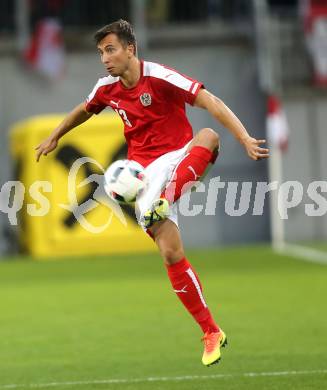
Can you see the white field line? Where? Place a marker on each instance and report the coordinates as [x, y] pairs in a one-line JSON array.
[[161, 379], [304, 253]]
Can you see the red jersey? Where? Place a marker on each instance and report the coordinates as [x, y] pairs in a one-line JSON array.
[[153, 111]]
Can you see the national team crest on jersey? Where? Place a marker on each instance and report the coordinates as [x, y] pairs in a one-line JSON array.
[[146, 99]]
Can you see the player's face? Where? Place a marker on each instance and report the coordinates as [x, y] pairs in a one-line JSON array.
[[114, 56]]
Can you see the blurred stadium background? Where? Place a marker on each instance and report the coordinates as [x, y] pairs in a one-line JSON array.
[[246, 52]]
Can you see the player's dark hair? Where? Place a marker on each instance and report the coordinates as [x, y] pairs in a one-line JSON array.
[[122, 29]]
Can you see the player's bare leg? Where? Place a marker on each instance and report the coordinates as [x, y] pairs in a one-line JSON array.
[[168, 239], [187, 286], [207, 138]]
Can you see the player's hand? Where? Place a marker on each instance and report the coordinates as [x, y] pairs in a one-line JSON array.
[[253, 148], [46, 147]]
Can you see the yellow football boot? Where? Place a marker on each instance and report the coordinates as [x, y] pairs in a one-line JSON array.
[[159, 211], [212, 344]]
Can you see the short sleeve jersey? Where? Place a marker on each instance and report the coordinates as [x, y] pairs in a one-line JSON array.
[[153, 111]]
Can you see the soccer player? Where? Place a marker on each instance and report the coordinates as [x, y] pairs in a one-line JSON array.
[[150, 99]]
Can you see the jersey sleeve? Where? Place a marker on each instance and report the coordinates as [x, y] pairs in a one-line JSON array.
[[185, 87], [173, 83], [93, 102]]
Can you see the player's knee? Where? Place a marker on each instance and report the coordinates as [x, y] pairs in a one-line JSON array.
[[211, 138], [171, 255]]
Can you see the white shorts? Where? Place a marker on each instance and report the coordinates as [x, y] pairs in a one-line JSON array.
[[158, 174]]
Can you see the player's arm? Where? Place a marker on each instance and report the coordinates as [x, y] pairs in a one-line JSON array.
[[228, 119], [76, 117]]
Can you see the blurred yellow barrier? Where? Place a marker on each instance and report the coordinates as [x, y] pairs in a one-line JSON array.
[[51, 222]]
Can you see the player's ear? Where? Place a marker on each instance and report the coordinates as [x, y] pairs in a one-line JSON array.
[[131, 50]]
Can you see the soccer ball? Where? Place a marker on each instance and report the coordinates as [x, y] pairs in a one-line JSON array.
[[124, 180]]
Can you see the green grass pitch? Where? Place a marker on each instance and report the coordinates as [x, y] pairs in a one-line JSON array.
[[73, 323]]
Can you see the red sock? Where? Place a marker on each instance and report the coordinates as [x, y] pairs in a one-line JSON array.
[[189, 170], [188, 288]]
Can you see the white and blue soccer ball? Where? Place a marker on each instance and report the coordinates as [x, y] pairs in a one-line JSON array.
[[124, 180]]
